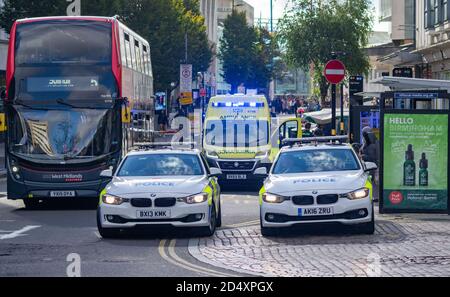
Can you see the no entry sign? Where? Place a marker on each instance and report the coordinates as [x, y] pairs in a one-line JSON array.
[[334, 71]]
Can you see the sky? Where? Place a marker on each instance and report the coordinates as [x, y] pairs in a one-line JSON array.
[[262, 7]]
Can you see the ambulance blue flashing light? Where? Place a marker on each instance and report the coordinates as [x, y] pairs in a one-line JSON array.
[[238, 104]]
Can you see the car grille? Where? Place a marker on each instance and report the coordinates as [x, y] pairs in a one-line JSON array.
[[327, 199], [141, 202], [165, 202], [236, 165], [303, 200]]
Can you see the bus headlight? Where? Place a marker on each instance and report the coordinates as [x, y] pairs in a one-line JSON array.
[[113, 200], [271, 198], [15, 169], [359, 194], [194, 199]]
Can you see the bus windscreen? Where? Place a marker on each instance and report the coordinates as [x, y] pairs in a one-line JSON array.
[[63, 42]]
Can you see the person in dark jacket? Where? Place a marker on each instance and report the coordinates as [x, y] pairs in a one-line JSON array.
[[370, 153], [370, 149], [307, 131]]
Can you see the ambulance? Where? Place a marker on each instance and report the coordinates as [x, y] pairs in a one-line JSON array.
[[238, 137]]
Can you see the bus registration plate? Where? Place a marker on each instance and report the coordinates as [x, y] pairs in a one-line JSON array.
[[62, 194]]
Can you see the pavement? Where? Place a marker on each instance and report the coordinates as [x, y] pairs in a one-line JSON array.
[[405, 246]]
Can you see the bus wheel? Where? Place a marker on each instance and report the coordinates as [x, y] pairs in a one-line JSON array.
[[31, 204]]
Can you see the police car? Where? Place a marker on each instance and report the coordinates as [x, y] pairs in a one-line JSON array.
[[317, 183], [161, 187]]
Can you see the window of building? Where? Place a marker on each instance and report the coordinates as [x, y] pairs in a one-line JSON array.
[[445, 9]]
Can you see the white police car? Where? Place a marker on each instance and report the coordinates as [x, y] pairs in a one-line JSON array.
[[317, 183], [160, 187]]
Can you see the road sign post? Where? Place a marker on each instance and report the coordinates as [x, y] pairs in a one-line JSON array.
[[186, 84], [334, 73]]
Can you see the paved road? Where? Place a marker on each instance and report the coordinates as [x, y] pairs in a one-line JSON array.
[[38, 243]]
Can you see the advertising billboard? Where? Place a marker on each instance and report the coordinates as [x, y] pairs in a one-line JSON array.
[[415, 162]]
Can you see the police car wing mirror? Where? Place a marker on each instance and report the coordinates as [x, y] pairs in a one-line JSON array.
[[215, 171], [261, 171], [106, 173], [370, 166]]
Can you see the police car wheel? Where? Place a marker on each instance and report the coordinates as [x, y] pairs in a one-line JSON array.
[[219, 217], [367, 228], [268, 232], [31, 204], [265, 231], [106, 232], [211, 229]]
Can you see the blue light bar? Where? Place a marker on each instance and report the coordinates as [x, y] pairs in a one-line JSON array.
[[238, 104]]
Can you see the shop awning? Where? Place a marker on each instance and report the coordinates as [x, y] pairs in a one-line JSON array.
[[409, 84], [323, 116]]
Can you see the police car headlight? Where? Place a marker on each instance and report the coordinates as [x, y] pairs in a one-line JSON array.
[[194, 199], [271, 198], [113, 200], [262, 155], [212, 154], [359, 194]]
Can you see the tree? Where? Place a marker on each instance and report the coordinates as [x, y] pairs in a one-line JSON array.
[[312, 30], [237, 48], [247, 53], [164, 24], [263, 66], [18, 9]]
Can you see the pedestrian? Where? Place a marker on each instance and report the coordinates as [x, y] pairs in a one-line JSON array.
[[307, 131], [162, 121], [319, 131], [369, 152]]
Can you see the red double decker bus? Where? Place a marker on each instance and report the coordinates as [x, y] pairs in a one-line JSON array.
[[74, 86]]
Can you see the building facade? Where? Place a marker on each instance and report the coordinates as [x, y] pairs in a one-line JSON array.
[[433, 36], [208, 8]]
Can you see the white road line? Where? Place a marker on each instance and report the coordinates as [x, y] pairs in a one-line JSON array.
[[18, 232]]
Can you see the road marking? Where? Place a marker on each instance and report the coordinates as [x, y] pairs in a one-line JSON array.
[[18, 232], [173, 258], [173, 254], [98, 235]]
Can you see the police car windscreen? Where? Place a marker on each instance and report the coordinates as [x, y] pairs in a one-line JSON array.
[[161, 165], [316, 161]]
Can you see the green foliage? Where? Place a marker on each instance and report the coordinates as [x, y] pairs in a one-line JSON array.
[[18, 9], [312, 30], [246, 53], [162, 22]]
